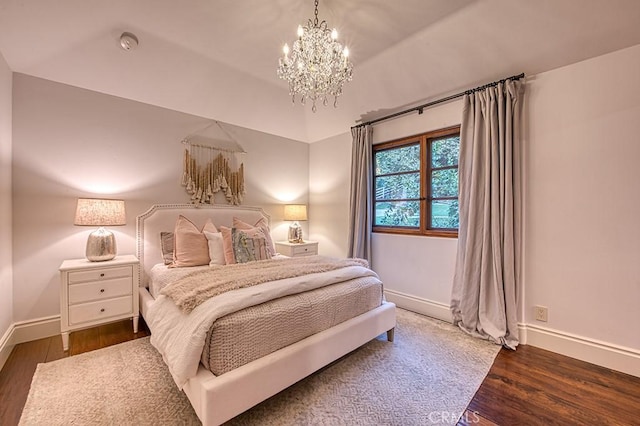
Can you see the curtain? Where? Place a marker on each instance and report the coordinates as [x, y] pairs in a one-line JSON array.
[[488, 264], [360, 195]]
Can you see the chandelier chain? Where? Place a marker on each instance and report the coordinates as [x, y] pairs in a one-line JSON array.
[[315, 21]]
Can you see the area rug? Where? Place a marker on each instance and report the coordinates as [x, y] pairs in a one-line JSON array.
[[427, 376]]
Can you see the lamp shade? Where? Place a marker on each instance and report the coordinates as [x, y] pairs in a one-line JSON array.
[[100, 212], [295, 212]]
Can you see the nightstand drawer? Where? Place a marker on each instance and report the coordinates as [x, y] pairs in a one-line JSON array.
[[304, 250], [100, 290], [93, 311], [99, 274]]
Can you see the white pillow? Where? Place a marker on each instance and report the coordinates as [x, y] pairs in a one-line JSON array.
[[216, 250]]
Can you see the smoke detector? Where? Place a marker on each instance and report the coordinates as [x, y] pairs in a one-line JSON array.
[[128, 41]]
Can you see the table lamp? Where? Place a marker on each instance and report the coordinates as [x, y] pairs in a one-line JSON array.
[[101, 244], [295, 212]]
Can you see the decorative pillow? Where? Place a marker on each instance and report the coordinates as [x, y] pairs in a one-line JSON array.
[[190, 244], [227, 242], [166, 245], [263, 225], [248, 248], [216, 249]]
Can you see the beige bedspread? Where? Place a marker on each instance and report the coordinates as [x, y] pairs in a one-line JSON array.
[[251, 333]]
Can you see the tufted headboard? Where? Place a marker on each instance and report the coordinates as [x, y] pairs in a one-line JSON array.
[[162, 217]]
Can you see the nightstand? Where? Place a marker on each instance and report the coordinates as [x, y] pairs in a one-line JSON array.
[[93, 293], [308, 248]]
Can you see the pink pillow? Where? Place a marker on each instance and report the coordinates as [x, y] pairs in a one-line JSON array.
[[261, 224], [191, 247]]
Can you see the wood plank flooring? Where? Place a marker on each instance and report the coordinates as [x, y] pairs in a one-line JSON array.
[[529, 386], [534, 386]]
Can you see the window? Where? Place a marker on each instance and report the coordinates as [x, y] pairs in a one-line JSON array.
[[416, 184]]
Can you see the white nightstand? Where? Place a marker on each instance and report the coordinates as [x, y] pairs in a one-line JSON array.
[[308, 248], [93, 293]]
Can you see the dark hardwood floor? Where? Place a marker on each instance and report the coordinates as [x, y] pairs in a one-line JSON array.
[[529, 386], [534, 386]]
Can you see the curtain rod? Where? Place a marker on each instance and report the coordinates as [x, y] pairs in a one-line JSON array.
[[420, 108]]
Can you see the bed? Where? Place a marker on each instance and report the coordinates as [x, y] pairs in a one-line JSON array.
[[218, 398]]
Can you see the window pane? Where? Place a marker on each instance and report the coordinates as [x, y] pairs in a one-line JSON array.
[[398, 213], [444, 183], [398, 187], [398, 160], [444, 152], [444, 214]]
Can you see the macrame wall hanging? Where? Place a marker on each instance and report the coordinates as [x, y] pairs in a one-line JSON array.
[[208, 170]]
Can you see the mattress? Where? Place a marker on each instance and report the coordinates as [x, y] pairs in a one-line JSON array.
[[249, 334]]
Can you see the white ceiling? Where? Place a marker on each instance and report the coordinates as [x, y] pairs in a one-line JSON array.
[[217, 58]]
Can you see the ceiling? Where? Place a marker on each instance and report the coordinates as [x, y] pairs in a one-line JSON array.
[[217, 58]]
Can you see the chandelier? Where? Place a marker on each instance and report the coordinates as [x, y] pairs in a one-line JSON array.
[[317, 65]]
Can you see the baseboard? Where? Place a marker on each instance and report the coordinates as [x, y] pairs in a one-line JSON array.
[[26, 331], [619, 358], [422, 306], [5, 345]]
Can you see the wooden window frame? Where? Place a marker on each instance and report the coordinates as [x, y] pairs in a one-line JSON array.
[[425, 141]]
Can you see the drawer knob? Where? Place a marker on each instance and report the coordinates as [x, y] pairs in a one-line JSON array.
[[102, 274], [102, 310], [102, 290]]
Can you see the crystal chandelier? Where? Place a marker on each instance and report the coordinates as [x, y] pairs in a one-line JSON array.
[[317, 66]]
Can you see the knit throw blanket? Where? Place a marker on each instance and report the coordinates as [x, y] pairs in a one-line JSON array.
[[192, 290]]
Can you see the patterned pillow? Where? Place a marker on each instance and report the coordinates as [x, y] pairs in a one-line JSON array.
[[249, 247], [261, 224]]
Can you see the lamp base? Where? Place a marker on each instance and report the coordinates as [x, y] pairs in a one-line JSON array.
[[101, 246], [295, 234]]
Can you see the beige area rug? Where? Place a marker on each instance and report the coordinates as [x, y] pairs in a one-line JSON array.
[[427, 376]]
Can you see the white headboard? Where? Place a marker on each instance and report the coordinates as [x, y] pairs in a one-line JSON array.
[[162, 217]]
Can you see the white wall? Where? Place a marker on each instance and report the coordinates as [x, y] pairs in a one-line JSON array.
[[583, 199], [71, 142], [418, 267], [6, 275], [417, 270], [329, 177], [582, 210]]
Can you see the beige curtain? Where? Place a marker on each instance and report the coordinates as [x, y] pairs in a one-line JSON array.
[[488, 265], [361, 192]]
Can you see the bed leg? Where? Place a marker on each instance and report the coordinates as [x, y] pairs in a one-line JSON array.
[[390, 334]]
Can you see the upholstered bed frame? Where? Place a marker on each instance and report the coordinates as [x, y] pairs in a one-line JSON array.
[[217, 399]]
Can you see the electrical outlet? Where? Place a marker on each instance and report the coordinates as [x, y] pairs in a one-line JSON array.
[[541, 313]]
